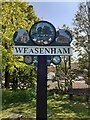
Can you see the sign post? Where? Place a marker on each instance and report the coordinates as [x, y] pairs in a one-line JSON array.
[[42, 34], [42, 40], [41, 109]]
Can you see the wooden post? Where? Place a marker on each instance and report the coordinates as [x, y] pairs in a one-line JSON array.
[[41, 110]]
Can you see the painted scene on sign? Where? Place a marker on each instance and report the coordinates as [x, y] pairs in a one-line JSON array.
[[42, 33], [63, 36], [21, 36]]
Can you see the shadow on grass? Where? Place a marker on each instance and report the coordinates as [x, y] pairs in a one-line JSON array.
[[21, 96], [59, 107], [63, 108], [19, 102]]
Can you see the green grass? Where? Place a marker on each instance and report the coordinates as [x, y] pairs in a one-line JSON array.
[[24, 102], [20, 101], [59, 106]]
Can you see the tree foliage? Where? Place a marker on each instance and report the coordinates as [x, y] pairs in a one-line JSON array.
[[15, 15], [82, 36]]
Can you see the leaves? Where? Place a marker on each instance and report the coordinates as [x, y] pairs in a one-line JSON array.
[[15, 15], [82, 37]]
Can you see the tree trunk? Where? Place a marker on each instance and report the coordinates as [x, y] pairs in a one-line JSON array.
[[88, 5], [6, 78], [89, 70], [69, 63], [0, 79], [6, 73], [15, 84], [15, 81], [88, 82], [59, 86]]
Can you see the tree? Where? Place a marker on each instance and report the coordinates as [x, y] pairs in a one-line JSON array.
[[82, 36], [0, 63], [61, 77], [15, 15], [46, 30]]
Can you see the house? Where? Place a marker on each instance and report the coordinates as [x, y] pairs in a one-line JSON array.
[[51, 72]]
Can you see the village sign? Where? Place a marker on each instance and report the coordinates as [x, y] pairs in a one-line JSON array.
[[40, 44]]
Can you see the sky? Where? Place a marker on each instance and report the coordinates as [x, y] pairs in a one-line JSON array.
[[58, 13]]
